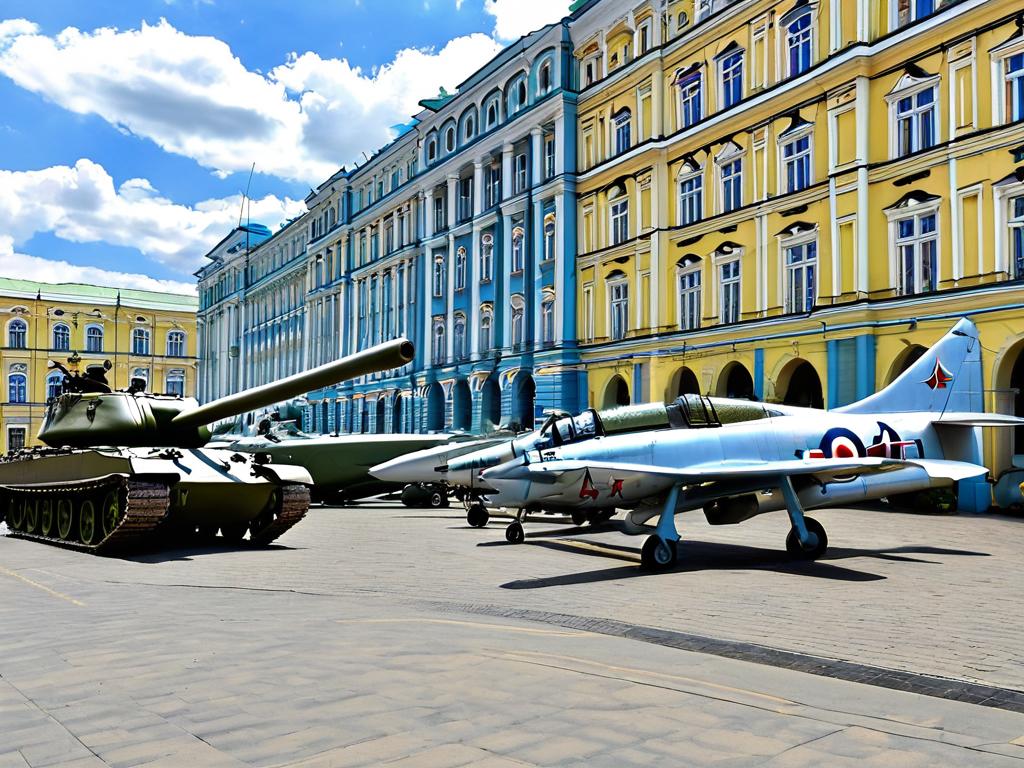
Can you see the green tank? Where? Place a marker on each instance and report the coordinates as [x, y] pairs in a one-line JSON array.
[[128, 468]]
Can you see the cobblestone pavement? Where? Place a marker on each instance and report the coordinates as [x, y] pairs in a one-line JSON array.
[[365, 639]]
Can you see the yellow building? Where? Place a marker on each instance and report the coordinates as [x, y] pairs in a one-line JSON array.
[[144, 334], [790, 200]]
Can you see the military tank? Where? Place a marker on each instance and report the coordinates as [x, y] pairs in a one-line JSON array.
[[126, 468]]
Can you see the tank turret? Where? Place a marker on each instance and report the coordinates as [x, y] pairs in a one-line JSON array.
[[88, 413]]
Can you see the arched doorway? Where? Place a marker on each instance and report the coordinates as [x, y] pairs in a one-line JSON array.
[[397, 424], [616, 393], [800, 385], [524, 391], [378, 428], [435, 408], [462, 406], [684, 382], [490, 405], [735, 381], [903, 361]]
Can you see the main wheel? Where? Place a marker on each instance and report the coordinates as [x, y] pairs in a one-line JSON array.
[[477, 515], [65, 518], [47, 519], [796, 550], [32, 516], [657, 554], [233, 532], [515, 534], [16, 514], [110, 512], [579, 517], [438, 499], [87, 523]]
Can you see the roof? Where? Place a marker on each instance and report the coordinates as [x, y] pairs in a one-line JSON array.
[[438, 102], [97, 294]]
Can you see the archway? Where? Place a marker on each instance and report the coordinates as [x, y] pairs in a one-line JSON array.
[[397, 424], [462, 406], [735, 381], [490, 405], [800, 385], [435, 408], [378, 428], [904, 360], [684, 382], [524, 391], [616, 393]]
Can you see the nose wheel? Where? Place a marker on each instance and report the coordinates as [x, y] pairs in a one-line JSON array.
[[477, 515], [515, 534]]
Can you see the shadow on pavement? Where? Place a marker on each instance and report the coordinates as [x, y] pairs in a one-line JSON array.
[[192, 551]]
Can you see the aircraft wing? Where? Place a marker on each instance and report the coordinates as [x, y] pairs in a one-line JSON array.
[[821, 469], [979, 420]]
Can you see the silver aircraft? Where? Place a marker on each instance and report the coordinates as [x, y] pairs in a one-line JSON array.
[[458, 467], [920, 432]]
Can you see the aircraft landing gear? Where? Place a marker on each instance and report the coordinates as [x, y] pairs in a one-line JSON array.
[[477, 515], [515, 534], [806, 539], [657, 554], [579, 517]]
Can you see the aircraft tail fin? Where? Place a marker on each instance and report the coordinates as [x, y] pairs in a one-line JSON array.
[[945, 378]]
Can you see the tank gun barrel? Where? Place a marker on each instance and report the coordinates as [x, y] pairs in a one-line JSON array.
[[382, 357]]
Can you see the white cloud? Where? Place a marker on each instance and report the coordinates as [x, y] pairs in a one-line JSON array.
[[192, 96], [81, 204], [515, 18], [25, 267]]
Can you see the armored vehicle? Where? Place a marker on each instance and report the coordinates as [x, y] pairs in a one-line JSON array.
[[130, 467]]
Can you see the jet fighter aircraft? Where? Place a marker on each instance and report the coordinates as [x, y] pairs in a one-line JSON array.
[[919, 432]]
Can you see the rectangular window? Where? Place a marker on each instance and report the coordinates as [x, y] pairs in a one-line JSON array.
[[798, 43], [15, 438], [618, 297], [690, 100], [801, 276], [915, 122], [493, 185], [520, 177], [796, 158], [465, 199], [1016, 221], [917, 253], [622, 131], [730, 292], [912, 10], [439, 214], [549, 156], [645, 38], [691, 200], [1013, 84], [732, 79], [620, 221], [689, 300], [732, 185]]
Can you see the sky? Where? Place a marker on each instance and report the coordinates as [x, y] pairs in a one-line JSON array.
[[128, 130]]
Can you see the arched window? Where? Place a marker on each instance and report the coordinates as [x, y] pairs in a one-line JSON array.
[[93, 338], [438, 342], [54, 384], [140, 341], [175, 383], [486, 330], [492, 114], [517, 249], [618, 214], [438, 276], [176, 344], [17, 388], [17, 334], [618, 305], [431, 149], [549, 237], [521, 94], [547, 318], [518, 317], [544, 78], [460, 269], [449, 139], [459, 336], [486, 258], [61, 337]]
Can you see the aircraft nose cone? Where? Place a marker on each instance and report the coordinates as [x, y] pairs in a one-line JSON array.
[[407, 470]]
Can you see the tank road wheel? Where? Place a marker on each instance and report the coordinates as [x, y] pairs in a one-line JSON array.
[[657, 554], [794, 548], [515, 534], [111, 512], [477, 515], [87, 522], [46, 517], [32, 515], [16, 514], [65, 516], [233, 533]]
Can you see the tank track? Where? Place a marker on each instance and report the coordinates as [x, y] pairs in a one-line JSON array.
[[292, 508], [145, 506]]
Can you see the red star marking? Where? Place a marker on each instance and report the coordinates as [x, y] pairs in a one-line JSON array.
[[939, 378], [616, 489], [587, 490]]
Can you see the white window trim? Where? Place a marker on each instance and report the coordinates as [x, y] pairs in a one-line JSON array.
[[894, 15], [908, 86], [688, 172], [701, 98], [1002, 195], [720, 65], [610, 285], [682, 271], [588, 312], [621, 199], [919, 209], [715, 294], [729, 153], [998, 59], [786, 242], [783, 38], [788, 137]]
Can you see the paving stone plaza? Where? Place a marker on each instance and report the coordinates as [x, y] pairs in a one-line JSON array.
[[380, 635]]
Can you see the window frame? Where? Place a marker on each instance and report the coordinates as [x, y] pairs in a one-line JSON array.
[[17, 388], [460, 268], [517, 255], [912, 88], [683, 94], [486, 257], [730, 69], [694, 174], [686, 304], [177, 332], [724, 284], [806, 156], [438, 277], [143, 335], [618, 307], [803, 36], [64, 344], [916, 212], [734, 178], [17, 333], [623, 120], [89, 338], [809, 298]]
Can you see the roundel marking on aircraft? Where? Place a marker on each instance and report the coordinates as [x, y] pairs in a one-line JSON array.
[[841, 443]]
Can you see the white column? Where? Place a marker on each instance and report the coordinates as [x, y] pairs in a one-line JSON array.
[[863, 206], [478, 187], [503, 309], [657, 97], [453, 197], [506, 171], [560, 297], [428, 214], [449, 337], [560, 144], [537, 150], [474, 297]]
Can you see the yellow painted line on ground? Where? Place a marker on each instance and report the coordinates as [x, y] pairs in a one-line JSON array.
[[37, 585], [475, 624], [537, 656], [616, 554]]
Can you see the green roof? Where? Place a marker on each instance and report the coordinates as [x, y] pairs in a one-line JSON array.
[[101, 293], [439, 101]]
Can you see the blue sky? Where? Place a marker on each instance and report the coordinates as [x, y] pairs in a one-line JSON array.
[[129, 128]]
